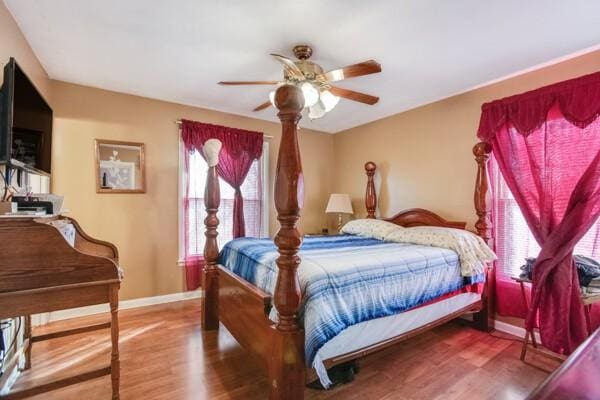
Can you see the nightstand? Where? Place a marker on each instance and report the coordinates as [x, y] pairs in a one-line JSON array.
[[324, 232]]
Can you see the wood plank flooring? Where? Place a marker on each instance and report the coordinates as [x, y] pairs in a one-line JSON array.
[[165, 355]]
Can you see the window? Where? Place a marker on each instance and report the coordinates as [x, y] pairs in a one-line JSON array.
[[254, 191], [514, 242]]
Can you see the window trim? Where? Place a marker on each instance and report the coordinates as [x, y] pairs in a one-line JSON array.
[[264, 170]]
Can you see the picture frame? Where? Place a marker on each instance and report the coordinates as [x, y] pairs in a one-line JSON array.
[[120, 166]]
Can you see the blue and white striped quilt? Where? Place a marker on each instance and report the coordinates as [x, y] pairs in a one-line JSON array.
[[349, 279]]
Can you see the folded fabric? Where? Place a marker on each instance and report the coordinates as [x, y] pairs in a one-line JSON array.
[[472, 251], [66, 229], [370, 228], [594, 283], [527, 268], [591, 290], [588, 270]]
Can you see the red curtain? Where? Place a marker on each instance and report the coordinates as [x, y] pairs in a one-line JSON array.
[[547, 145], [240, 149]]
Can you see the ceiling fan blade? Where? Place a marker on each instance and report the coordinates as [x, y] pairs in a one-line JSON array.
[[289, 66], [264, 105], [355, 96], [352, 71], [248, 82]]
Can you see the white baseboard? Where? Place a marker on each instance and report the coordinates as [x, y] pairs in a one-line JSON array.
[[517, 331], [41, 319]]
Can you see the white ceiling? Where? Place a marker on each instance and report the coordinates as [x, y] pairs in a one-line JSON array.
[[178, 50]]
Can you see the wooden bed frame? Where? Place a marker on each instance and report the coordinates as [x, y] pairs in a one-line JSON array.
[[243, 308]]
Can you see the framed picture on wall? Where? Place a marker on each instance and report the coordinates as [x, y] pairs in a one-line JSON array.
[[117, 174], [120, 167]]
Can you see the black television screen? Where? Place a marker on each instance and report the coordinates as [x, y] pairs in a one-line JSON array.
[[25, 123]]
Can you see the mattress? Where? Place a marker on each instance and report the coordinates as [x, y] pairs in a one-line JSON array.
[[346, 280]]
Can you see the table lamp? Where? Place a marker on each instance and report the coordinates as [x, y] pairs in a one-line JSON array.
[[339, 203]]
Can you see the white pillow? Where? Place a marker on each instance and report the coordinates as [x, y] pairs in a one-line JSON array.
[[372, 228], [471, 249]]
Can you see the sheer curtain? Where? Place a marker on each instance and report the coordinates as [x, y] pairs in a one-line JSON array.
[[547, 146], [253, 205], [514, 242], [240, 151]]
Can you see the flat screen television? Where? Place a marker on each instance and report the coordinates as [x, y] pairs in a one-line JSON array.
[[25, 123]]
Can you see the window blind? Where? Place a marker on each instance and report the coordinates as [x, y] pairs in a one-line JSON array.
[[252, 191]]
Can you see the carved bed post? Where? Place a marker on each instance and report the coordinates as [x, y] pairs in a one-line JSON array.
[[370, 195], [286, 363], [210, 274], [484, 319], [481, 198]]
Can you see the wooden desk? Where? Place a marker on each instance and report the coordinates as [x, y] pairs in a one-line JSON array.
[[40, 272]]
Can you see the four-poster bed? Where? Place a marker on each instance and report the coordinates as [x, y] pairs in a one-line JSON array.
[[244, 308]]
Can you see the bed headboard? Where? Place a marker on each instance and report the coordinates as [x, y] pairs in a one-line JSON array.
[[484, 319], [407, 218], [422, 217]]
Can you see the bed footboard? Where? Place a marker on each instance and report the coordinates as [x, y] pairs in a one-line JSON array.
[[243, 309], [238, 304]]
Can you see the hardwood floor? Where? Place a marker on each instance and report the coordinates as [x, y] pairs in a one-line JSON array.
[[165, 355]]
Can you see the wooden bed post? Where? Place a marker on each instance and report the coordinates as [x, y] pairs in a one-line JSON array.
[[370, 195], [286, 362], [484, 319], [210, 273], [481, 198]]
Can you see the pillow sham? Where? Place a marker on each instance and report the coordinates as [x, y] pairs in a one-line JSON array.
[[472, 251], [372, 228]]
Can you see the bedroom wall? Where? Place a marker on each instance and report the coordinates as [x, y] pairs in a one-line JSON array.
[[13, 44], [424, 155], [145, 226]]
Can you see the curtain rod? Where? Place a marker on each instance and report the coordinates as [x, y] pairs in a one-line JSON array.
[[178, 122]]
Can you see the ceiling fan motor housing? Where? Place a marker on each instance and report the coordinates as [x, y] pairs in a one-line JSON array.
[[310, 69], [302, 51]]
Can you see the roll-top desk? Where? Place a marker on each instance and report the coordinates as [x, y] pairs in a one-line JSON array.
[[41, 272]]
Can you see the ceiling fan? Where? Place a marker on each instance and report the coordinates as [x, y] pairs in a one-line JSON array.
[[320, 96]]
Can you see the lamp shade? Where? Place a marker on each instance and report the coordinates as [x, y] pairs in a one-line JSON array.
[[339, 203]]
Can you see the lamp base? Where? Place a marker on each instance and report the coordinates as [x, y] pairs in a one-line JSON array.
[[339, 224]]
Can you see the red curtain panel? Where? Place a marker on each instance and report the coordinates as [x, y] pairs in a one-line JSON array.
[[240, 149], [547, 146]]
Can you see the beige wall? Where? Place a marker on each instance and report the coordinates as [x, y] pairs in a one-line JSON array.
[[424, 155], [145, 226], [13, 44]]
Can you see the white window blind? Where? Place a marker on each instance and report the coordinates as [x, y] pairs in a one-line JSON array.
[[254, 194]]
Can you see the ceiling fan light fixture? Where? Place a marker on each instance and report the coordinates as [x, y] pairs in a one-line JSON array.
[[311, 94], [329, 100], [317, 110], [320, 97]]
